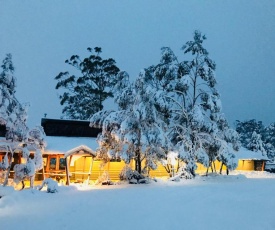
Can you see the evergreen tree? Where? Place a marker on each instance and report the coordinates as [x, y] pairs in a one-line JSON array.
[[246, 129], [269, 134], [256, 144], [270, 151], [83, 95], [269, 140], [257, 137], [13, 115]]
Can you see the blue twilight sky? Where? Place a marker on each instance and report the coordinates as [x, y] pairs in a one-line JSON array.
[[41, 35]]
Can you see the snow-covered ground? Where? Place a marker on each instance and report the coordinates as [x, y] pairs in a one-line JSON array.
[[238, 201]]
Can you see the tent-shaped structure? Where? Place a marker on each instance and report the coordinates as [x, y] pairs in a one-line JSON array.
[[72, 155]]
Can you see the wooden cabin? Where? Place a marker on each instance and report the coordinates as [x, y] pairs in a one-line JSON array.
[[73, 144], [250, 161], [70, 155], [68, 138]]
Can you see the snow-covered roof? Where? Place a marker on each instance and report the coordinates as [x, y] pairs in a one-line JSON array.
[[62, 145], [82, 149], [245, 154]]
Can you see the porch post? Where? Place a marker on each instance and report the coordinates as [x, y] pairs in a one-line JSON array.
[[67, 172], [263, 165], [90, 170]]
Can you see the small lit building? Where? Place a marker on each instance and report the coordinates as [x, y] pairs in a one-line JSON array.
[[70, 149], [250, 161]]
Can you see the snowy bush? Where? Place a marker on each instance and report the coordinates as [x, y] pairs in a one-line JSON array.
[[104, 179], [52, 186], [5, 164], [184, 172], [23, 171], [132, 176]]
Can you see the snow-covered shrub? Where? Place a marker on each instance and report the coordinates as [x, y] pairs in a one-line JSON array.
[[183, 173], [132, 176], [104, 179], [52, 186], [23, 171], [5, 164]]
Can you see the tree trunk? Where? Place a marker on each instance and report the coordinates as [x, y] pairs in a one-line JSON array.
[[8, 171], [23, 184], [138, 162], [167, 169], [221, 168], [32, 181], [193, 172], [214, 166], [211, 167]]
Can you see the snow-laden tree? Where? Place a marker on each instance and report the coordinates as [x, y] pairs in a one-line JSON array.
[[134, 132], [250, 140], [269, 134], [35, 140], [36, 137], [83, 94], [7, 89], [269, 140], [172, 99], [191, 106], [256, 144], [13, 115], [270, 151], [246, 129]]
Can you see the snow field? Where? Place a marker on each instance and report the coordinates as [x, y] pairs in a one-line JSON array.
[[214, 202]]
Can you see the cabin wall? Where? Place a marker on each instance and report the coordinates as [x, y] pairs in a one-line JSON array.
[[246, 165], [160, 171], [80, 170], [201, 169]]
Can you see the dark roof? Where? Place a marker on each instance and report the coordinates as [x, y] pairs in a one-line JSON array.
[[68, 128]]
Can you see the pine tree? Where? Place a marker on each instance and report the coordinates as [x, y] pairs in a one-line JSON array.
[[269, 140], [256, 144], [246, 129], [13, 115], [269, 134], [257, 137], [84, 94]]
